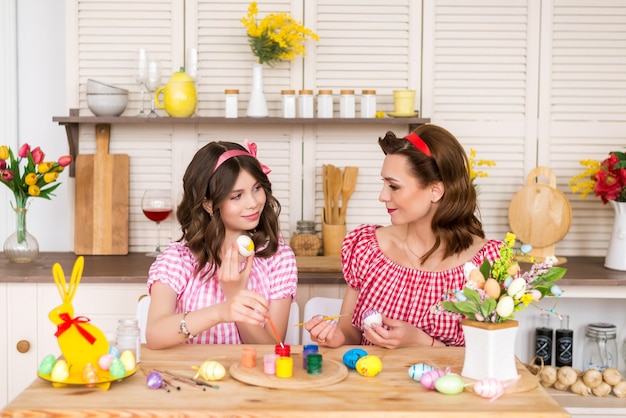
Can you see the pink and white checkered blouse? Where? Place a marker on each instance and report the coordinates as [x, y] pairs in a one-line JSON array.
[[403, 293], [274, 278]]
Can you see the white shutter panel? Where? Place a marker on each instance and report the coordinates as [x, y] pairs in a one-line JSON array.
[[480, 84], [583, 106]]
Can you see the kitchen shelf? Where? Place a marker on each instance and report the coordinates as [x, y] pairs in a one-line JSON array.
[[73, 121]]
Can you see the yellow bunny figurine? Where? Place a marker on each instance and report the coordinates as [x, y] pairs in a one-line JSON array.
[[80, 341]]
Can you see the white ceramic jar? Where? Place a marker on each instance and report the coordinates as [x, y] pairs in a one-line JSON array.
[[346, 104], [368, 103], [325, 104], [305, 103], [289, 103], [231, 104]]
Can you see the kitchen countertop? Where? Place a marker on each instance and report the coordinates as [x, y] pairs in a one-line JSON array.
[[392, 393]]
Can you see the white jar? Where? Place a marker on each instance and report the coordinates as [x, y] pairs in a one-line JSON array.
[[368, 104], [325, 104], [231, 103], [346, 104], [305, 103], [289, 103], [127, 337]]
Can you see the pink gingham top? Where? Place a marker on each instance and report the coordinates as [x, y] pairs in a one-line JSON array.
[[274, 278], [400, 292]]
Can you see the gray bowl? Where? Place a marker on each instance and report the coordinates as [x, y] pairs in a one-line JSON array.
[[98, 87], [107, 104]]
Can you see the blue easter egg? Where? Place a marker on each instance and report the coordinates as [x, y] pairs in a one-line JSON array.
[[416, 371], [556, 290], [460, 296], [526, 248], [507, 282], [113, 350], [351, 356]]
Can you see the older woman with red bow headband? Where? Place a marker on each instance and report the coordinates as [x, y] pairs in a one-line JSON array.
[[202, 289]]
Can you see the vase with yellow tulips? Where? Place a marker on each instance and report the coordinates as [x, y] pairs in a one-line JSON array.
[[277, 37], [27, 175]]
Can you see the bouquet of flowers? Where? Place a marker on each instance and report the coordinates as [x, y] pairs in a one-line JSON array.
[[37, 177], [606, 179], [473, 163], [276, 37], [493, 292]]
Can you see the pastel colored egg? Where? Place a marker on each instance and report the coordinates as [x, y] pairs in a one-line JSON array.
[[477, 277], [114, 351], [128, 360], [369, 365], [460, 296], [492, 288], [489, 388], [90, 374], [517, 288], [505, 306], [46, 365], [154, 380], [60, 371], [245, 245], [450, 384], [526, 248], [117, 369], [556, 290], [416, 371], [211, 370], [371, 318], [428, 379], [105, 361], [353, 355]]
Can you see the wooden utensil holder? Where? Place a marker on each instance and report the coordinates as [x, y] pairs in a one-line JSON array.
[[332, 238]]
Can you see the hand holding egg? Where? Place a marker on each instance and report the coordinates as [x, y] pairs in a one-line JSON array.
[[372, 318]]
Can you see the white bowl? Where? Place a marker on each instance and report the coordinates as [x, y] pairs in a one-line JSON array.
[[94, 86], [107, 104]]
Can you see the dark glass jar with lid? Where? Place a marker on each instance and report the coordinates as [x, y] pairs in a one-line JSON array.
[[305, 241]]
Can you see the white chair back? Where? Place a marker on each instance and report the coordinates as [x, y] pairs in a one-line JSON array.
[[142, 315], [319, 306], [293, 333]]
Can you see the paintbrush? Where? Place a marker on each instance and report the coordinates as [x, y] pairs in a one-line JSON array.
[[326, 318], [275, 331]]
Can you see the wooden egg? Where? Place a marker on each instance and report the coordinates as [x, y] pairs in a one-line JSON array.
[[369, 366]]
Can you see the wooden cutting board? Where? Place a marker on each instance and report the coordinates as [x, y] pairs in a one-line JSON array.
[[101, 201], [540, 214]]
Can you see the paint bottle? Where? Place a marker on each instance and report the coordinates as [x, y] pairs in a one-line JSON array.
[[284, 367], [314, 363], [269, 364], [282, 350], [306, 350], [564, 338], [248, 357], [543, 341]]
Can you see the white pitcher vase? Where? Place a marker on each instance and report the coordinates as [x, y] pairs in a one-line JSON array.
[[616, 253], [257, 106]]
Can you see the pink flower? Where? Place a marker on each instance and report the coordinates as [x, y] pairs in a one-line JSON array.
[[3, 164], [38, 155], [23, 151], [7, 175], [65, 160]]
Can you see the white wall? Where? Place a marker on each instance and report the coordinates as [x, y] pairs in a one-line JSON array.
[[40, 79]]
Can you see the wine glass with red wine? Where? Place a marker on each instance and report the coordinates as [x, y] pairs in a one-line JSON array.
[[157, 206]]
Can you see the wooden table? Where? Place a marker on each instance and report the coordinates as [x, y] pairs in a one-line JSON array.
[[390, 394]]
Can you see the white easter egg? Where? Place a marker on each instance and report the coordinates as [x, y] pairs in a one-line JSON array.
[[245, 245], [517, 288], [372, 317], [416, 371]]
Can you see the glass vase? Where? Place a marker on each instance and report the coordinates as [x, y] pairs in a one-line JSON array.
[[21, 246], [257, 106]]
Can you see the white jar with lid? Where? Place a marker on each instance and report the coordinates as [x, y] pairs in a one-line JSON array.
[[346, 104], [325, 104], [231, 103], [289, 103], [128, 338], [305, 103], [600, 349], [368, 103]]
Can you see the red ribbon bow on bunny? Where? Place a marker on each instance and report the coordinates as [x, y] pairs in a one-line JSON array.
[[69, 321]]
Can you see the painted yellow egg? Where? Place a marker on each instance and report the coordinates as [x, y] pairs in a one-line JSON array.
[[369, 365], [210, 370], [492, 288], [60, 371], [128, 360]]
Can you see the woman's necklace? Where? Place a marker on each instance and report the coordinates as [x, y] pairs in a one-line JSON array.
[[406, 247]]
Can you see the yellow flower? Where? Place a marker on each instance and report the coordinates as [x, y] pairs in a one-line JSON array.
[[4, 152], [43, 168], [34, 190], [473, 163], [50, 177], [31, 179], [584, 182], [277, 37]]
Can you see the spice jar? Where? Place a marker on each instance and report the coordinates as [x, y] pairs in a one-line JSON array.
[[305, 242], [305, 103], [325, 104], [368, 104], [231, 103], [346, 104], [127, 337], [289, 103], [600, 350]]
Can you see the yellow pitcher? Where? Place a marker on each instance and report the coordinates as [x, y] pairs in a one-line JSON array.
[[179, 95]]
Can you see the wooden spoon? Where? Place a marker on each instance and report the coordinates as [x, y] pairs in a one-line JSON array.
[[348, 185], [335, 189], [326, 214]]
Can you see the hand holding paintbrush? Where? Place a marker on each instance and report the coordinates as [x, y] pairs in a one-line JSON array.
[[326, 318]]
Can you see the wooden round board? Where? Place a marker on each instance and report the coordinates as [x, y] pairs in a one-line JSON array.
[[332, 372]]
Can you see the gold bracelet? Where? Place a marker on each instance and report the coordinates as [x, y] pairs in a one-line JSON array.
[[182, 328]]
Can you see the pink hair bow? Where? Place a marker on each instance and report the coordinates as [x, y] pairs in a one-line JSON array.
[[251, 151]]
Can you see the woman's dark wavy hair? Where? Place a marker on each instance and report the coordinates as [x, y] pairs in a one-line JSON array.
[[454, 222], [204, 234]]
